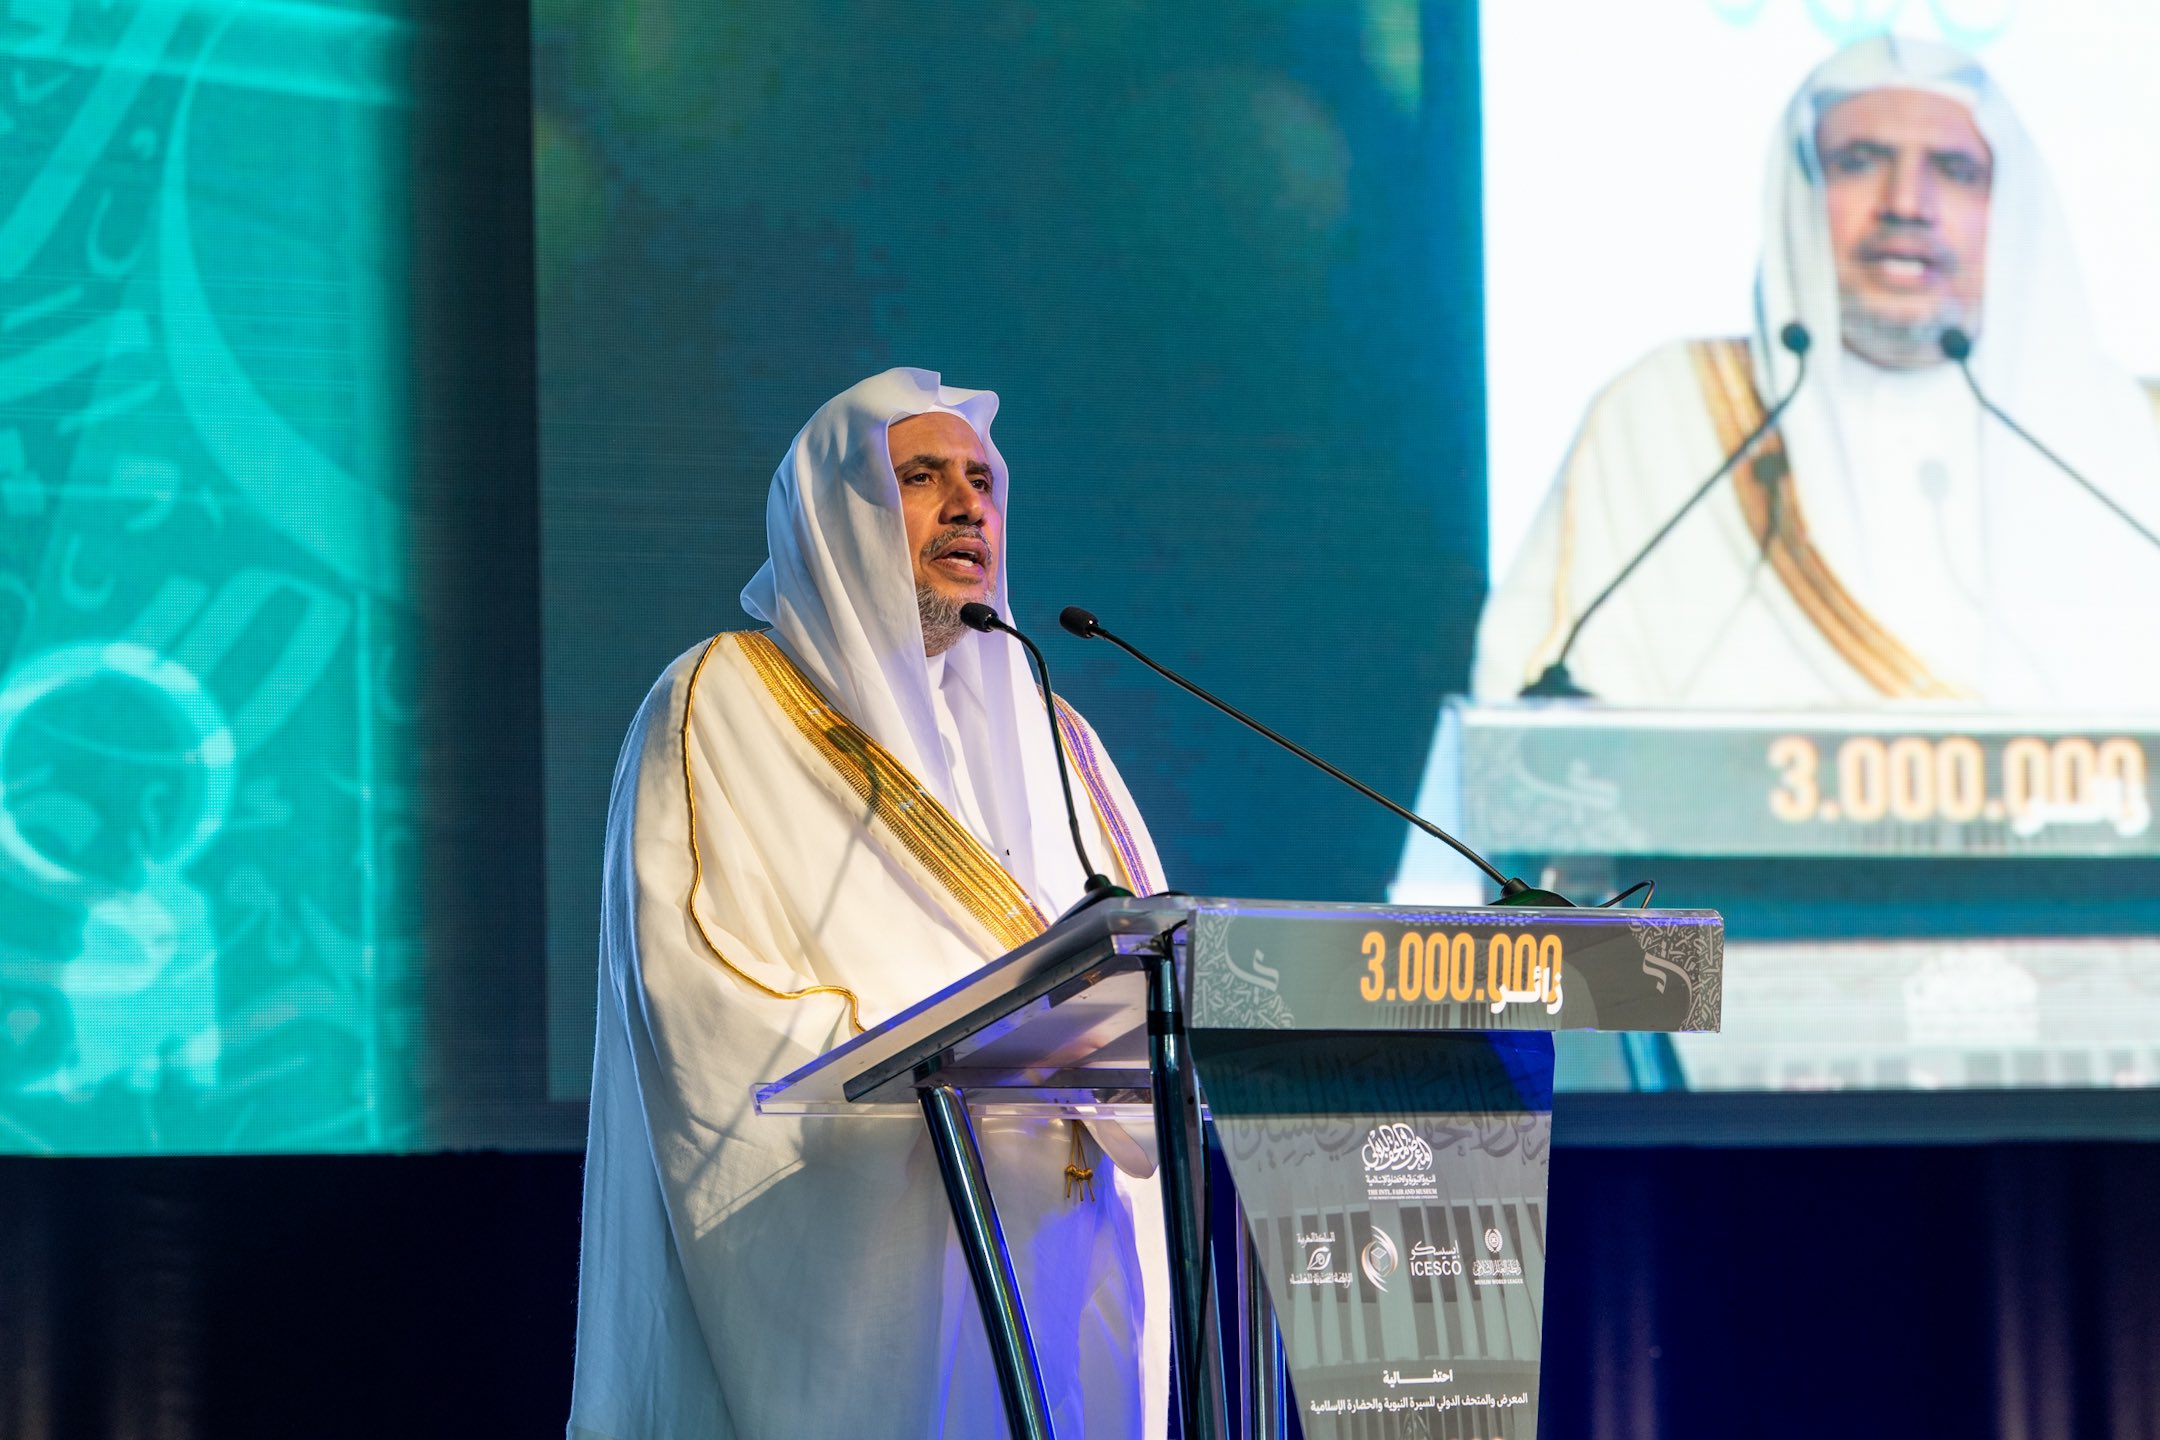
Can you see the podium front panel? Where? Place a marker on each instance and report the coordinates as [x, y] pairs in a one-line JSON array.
[[1394, 1189]]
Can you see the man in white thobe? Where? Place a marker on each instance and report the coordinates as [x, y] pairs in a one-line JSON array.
[[1888, 542], [813, 826]]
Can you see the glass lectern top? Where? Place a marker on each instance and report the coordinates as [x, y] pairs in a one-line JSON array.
[[1060, 1025]]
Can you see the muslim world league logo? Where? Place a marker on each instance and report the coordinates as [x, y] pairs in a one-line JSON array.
[[1398, 1164], [1497, 1271], [1379, 1258]]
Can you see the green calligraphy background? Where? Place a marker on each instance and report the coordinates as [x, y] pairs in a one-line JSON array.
[[207, 916]]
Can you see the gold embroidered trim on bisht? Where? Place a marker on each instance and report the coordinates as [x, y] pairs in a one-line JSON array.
[[697, 866], [1080, 745], [926, 828], [1772, 509]]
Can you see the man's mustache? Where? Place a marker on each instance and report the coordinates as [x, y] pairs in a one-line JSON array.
[[1894, 241], [947, 540]]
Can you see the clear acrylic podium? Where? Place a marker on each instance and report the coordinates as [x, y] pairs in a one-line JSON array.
[[1375, 1083]]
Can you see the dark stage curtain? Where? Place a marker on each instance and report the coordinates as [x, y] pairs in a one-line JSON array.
[[2004, 1292], [1941, 1292], [317, 1296]]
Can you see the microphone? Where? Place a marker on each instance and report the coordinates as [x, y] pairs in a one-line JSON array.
[[1513, 891], [978, 616], [1555, 683], [1957, 349]]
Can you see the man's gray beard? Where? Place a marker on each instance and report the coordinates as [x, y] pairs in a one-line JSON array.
[[1897, 344], [942, 626]]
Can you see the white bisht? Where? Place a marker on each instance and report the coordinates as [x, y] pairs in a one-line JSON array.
[[748, 1276], [1921, 552]]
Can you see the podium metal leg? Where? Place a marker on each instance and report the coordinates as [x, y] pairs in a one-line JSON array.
[[1267, 1378], [967, 1187], [1184, 1221]]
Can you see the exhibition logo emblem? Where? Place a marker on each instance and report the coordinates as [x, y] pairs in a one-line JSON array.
[[1398, 1164], [1379, 1258], [1396, 1147], [1492, 1240]]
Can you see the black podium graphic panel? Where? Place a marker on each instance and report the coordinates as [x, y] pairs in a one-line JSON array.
[[1394, 1187]]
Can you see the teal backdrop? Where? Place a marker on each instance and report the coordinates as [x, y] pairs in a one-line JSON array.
[[234, 862], [206, 610]]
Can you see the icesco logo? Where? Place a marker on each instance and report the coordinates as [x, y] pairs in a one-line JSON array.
[[1396, 1148], [1379, 1258]]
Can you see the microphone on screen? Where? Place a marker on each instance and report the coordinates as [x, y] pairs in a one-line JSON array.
[[1555, 683], [1513, 891], [1957, 349], [978, 616]]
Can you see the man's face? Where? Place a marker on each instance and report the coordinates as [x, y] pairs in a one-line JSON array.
[[1906, 175], [953, 526]]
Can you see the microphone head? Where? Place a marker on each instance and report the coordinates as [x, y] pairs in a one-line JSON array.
[[978, 616], [1795, 337], [1956, 345], [1079, 622]]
